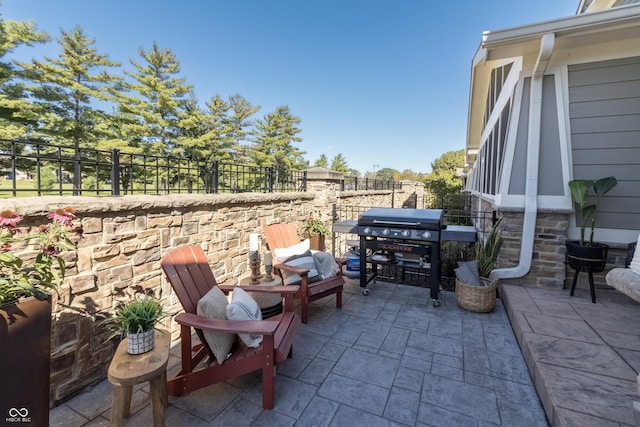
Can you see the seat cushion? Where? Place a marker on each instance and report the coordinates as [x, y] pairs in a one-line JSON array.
[[243, 307], [297, 256], [214, 306]]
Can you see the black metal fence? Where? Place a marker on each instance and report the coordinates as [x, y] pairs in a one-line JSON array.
[[353, 183], [30, 168], [38, 169], [346, 244]]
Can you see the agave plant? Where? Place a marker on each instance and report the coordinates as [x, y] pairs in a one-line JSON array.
[[587, 212]]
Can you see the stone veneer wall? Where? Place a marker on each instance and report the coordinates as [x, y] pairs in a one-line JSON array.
[[548, 263], [126, 237]]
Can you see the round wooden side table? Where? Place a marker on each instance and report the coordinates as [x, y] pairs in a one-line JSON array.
[[126, 370], [270, 304]]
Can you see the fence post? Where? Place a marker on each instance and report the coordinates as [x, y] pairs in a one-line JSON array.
[[115, 172], [393, 195], [214, 176], [269, 171], [304, 181]]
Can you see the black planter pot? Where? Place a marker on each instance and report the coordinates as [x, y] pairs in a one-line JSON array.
[[25, 346], [591, 258]]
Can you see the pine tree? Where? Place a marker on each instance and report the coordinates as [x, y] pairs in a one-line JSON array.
[[66, 90], [274, 136], [322, 162], [158, 100], [17, 115], [241, 123], [339, 164]]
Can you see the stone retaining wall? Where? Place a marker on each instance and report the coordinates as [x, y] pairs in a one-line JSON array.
[[126, 237], [548, 264]]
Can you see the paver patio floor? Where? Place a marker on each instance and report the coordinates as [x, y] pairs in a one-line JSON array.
[[389, 358]]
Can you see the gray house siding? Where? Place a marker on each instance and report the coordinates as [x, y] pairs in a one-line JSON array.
[[550, 176], [604, 110], [519, 166], [550, 165]]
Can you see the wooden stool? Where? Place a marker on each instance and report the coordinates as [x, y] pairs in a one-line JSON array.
[[126, 370]]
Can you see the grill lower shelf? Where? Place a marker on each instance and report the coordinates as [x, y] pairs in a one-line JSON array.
[[402, 274]]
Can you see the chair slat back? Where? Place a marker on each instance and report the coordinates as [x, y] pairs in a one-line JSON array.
[[281, 235], [190, 275]]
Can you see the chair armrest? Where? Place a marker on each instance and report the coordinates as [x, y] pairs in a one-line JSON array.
[[297, 270], [260, 327], [283, 290]]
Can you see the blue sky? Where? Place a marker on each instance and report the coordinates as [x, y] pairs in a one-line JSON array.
[[384, 83]]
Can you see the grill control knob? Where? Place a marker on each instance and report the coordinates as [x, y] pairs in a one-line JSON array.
[[426, 234], [367, 230], [405, 233], [385, 232]]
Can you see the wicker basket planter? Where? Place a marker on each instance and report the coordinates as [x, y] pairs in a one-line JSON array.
[[479, 299]]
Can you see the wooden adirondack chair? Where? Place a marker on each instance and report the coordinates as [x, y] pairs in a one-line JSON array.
[[286, 235], [191, 277]]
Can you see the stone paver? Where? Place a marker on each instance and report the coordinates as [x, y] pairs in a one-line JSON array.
[[584, 357], [387, 359]]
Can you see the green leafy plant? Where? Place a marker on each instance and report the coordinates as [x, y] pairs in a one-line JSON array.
[[139, 315], [487, 250], [36, 267], [587, 212], [315, 226]]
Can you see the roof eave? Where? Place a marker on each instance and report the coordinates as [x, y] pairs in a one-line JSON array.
[[561, 26]]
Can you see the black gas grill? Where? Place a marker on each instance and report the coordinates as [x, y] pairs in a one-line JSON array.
[[407, 238]]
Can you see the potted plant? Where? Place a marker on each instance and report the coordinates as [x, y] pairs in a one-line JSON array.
[[587, 255], [31, 268], [474, 290], [137, 320], [315, 230]]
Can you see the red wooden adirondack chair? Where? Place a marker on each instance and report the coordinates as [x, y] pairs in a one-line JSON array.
[[191, 277], [286, 235]]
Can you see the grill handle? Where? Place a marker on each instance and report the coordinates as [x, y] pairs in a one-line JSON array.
[[397, 223]]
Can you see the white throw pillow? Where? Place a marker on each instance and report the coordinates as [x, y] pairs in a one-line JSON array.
[[635, 262], [243, 307], [296, 249], [214, 306], [298, 255]]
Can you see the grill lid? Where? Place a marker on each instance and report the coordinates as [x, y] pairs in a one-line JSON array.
[[417, 219]]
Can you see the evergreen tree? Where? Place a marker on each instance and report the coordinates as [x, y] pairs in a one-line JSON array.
[[339, 164], [322, 162], [17, 115], [66, 90], [274, 136], [160, 100], [207, 134], [241, 123]]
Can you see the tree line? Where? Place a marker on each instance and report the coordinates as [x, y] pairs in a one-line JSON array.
[[82, 98]]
